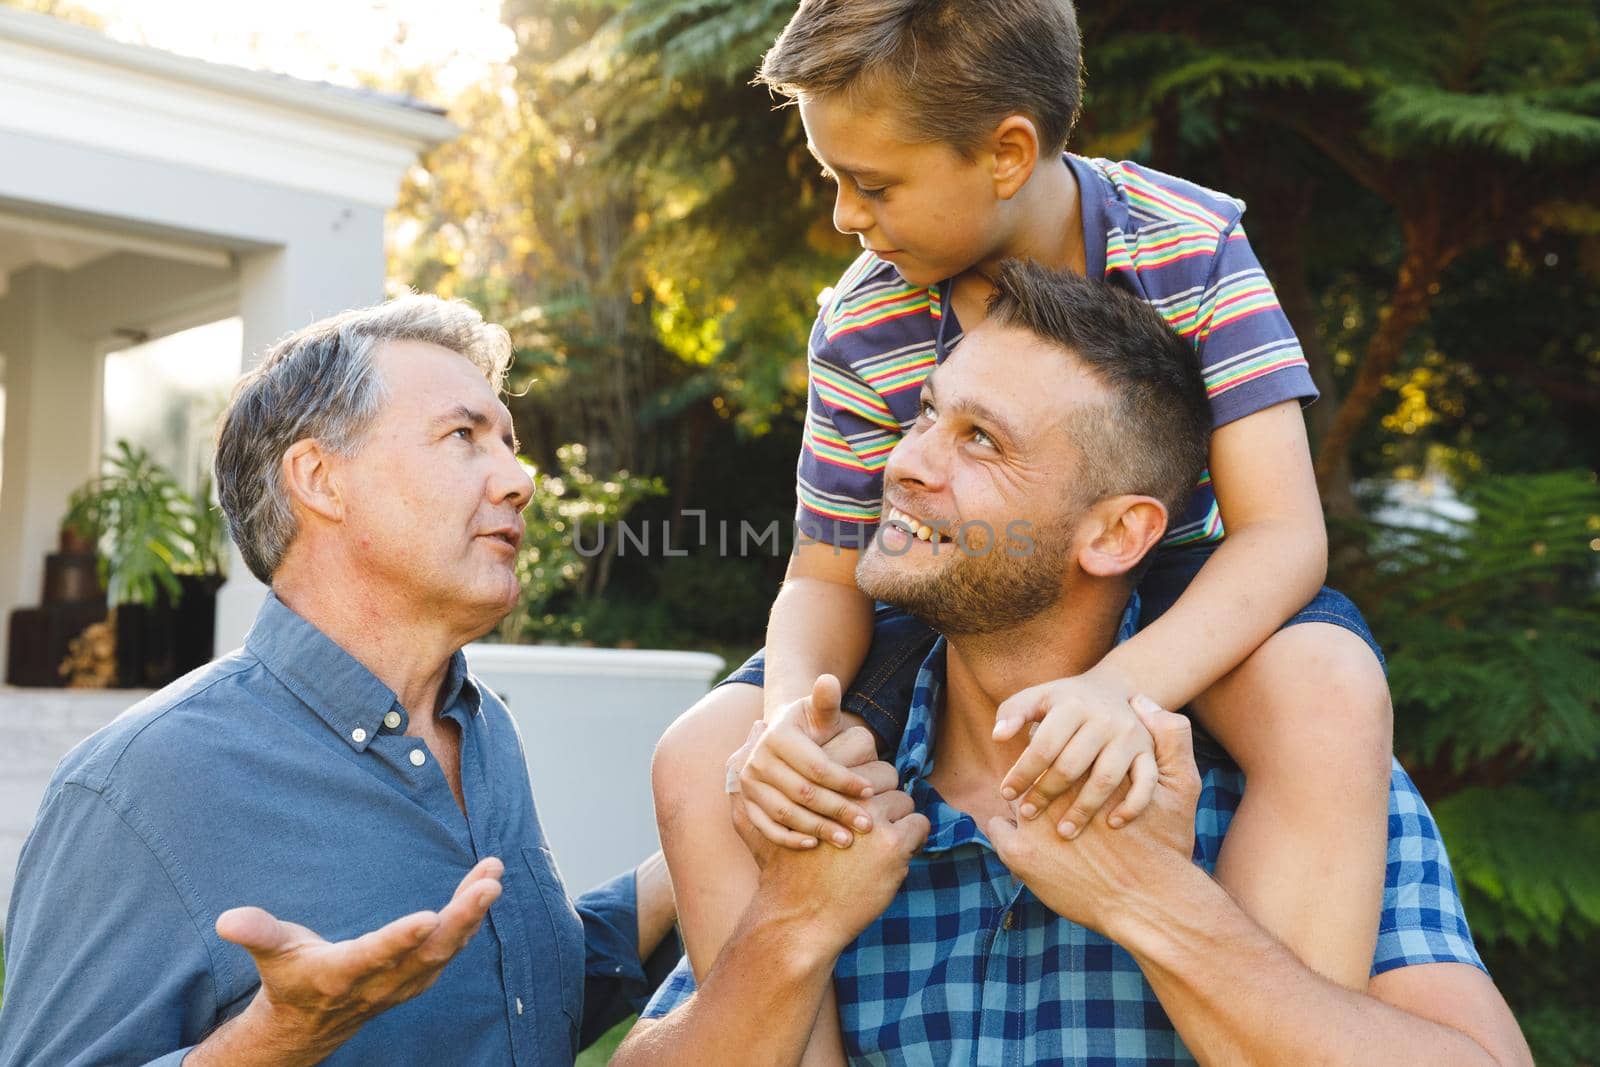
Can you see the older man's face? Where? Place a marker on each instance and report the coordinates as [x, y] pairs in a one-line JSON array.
[[989, 463], [434, 496]]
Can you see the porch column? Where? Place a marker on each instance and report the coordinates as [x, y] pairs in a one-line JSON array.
[[318, 273], [53, 397]]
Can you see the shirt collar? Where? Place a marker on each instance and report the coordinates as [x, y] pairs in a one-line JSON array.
[[332, 682], [1097, 202], [914, 758]]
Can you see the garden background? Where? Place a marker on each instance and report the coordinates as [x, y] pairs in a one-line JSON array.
[[1423, 184]]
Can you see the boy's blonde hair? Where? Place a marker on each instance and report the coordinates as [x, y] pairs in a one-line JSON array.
[[954, 68]]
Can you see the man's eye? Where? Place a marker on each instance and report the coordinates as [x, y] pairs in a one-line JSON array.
[[982, 437], [925, 411], [465, 432]]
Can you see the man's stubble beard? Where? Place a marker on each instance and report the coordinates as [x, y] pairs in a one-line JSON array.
[[976, 593]]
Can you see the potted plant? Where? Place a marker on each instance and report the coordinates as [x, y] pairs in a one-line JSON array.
[[161, 556]]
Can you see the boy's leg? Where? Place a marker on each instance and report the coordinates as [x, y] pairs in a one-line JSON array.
[[1308, 719], [713, 874]]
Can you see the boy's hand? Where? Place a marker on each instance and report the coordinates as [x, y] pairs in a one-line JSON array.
[[795, 792], [1086, 726]]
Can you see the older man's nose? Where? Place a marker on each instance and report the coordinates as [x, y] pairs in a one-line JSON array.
[[511, 482]]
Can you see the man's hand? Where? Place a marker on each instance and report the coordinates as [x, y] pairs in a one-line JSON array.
[[795, 793], [1090, 879], [315, 995], [835, 892], [1085, 727]]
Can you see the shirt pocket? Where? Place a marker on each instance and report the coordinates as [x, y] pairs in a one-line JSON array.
[[565, 932]]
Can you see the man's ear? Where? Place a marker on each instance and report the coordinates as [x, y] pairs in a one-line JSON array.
[[1125, 529], [1015, 148], [308, 475]]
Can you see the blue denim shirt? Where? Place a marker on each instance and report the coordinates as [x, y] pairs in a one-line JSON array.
[[281, 776]]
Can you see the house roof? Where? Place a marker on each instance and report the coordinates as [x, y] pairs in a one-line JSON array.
[[390, 113]]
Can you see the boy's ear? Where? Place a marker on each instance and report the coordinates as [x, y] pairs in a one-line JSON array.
[[308, 475], [1122, 531], [1015, 148]]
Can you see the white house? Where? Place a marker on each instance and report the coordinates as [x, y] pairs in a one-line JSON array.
[[142, 194]]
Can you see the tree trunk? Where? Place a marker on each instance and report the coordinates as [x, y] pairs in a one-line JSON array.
[[1404, 311]]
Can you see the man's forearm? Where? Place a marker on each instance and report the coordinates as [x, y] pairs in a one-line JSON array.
[[1235, 995], [652, 894], [758, 1004]]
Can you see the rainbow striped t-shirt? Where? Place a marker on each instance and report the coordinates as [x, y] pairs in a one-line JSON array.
[[1176, 245]]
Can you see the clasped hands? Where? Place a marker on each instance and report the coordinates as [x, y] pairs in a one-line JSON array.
[[804, 778]]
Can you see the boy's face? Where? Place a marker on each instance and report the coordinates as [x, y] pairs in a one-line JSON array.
[[921, 206]]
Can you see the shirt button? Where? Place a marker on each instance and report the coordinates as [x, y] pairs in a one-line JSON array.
[[519, 1005], [1008, 921], [392, 720], [358, 735], [418, 757]]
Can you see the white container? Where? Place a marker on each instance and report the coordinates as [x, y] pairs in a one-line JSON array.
[[590, 719]]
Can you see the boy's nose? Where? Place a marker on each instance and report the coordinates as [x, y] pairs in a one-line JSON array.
[[849, 214]]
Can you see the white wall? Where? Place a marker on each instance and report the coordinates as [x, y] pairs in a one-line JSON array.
[[590, 719]]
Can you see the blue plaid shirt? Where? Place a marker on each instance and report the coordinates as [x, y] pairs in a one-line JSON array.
[[967, 966]]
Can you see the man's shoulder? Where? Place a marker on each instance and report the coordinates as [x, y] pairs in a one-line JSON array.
[[158, 735], [1156, 200], [871, 311]]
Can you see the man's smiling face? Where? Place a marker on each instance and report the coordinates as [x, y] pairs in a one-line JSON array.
[[990, 465]]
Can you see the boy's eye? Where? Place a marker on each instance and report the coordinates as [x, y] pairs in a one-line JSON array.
[[872, 194]]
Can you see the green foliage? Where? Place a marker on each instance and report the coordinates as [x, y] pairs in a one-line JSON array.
[[715, 596], [1563, 1035], [1492, 622], [1528, 868], [149, 530], [567, 514], [1515, 125]]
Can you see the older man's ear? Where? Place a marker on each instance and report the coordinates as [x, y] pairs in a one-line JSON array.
[[1118, 532], [308, 476]]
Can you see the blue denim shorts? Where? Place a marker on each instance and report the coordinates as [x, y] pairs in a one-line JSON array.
[[881, 692]]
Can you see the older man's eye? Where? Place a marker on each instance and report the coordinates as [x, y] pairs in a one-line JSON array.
[[464, 432], [982, 437], [925, 410]]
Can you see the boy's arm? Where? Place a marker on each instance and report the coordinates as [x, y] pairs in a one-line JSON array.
[[821, 623], [1272, 561], [1269, 565]]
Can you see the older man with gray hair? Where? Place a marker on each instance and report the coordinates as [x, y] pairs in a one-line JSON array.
[[342, 770]]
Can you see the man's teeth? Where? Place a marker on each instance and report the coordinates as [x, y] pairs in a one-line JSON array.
[[916, 528]]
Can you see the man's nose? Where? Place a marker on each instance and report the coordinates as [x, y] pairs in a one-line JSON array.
[[850, 214], [921, 459], [510, 482]]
